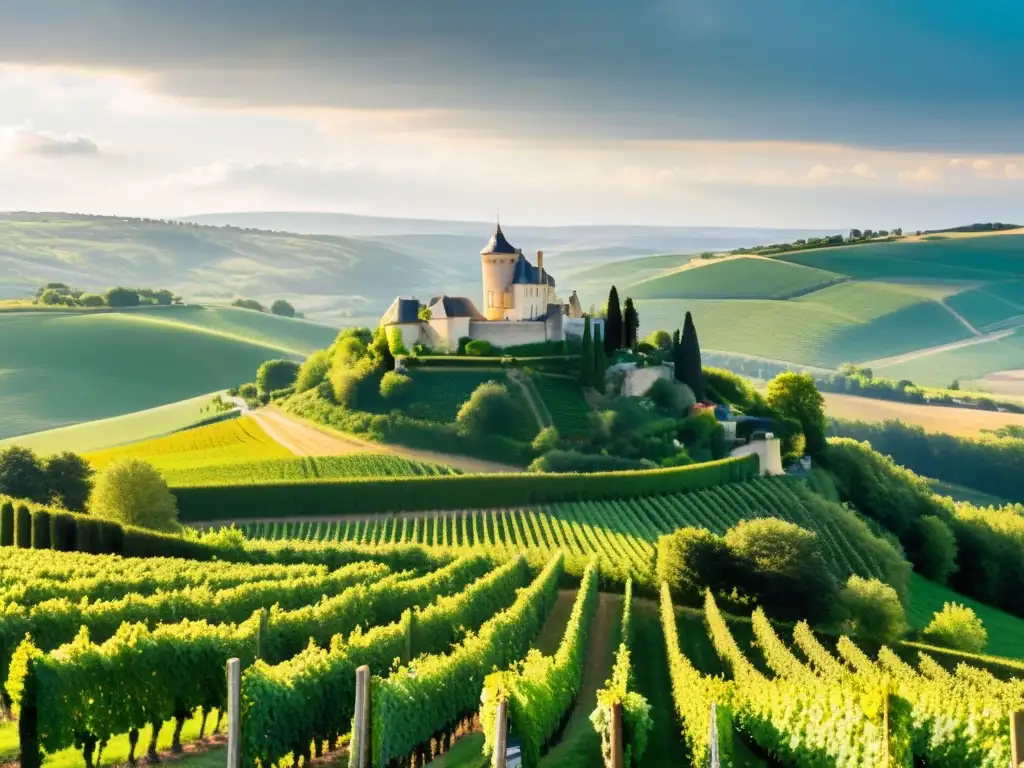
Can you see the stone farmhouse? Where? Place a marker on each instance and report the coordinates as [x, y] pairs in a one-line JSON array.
[[519, 300]]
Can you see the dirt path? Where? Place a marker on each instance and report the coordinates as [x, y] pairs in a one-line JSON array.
[[966, 323], [304, 438], [919, 353], [581, 745]]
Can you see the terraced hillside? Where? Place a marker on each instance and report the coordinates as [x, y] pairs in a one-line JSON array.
[[887, 302], [68, 368]]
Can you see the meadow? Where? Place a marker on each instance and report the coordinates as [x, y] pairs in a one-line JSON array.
[[59, 369], [564, 402], [966, 422], [965, 364], [743, 278]]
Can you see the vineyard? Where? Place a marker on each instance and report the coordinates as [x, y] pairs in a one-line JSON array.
[[744, 278], [622, 534]]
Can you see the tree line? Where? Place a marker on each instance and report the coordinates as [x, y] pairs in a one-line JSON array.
[[61, 294], [281, 308]]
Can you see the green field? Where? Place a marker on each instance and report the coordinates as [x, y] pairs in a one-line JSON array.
[[63, 369], [119, 430], [744, 278], [564, 400], [991, 306], [1005, 632], [963, 364], [237, 441], [297, 469]]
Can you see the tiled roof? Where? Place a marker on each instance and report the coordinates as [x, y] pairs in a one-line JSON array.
[[527, 274], [454, 306], [498, 244]]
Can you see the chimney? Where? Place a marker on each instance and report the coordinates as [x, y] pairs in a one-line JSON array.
[[540, 259]]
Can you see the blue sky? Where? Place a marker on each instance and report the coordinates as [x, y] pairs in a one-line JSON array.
[[717, 112]]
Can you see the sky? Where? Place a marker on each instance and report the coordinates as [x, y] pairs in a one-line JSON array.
[[796, 113]]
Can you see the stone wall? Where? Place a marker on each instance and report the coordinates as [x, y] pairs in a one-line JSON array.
[[769, 451], [503, 333], [638, 380]]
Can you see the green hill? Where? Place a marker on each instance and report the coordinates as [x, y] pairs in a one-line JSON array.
[[58, 369], [744, 278], [858, 303]]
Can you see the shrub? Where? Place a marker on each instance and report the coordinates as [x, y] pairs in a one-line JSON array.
[[22, 527], [248, 391], [463, 341], [692, 560], [546, 440], [395, 386], [7, 524], [480, 348], [871, 611], [660, 339], [132, 492], [958, 627], [122, 297], [396, 344], [671, 397], [795, 396], [490, 410], [932, 548], [571, 461], [248, 304], [91, 300], [276, 374], [348, 351], [783, 565], [313, 371], [40, 529], [63, 531], [21, 474]]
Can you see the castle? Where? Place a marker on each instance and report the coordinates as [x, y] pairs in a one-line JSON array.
[[520, 306]]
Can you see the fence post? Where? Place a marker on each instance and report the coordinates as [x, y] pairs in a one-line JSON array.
[[234, 713], [616, 736], [500, 735], [361, 727], [1017, 738]]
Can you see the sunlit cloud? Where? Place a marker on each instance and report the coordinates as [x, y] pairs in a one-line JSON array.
[[26, 140]]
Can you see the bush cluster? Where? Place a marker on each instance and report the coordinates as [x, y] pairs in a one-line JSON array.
[[63, 479]]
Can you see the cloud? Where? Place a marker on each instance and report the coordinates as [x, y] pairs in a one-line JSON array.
[[981, 165], [923, 173], [650, 69], [26, 140], [861, 170]]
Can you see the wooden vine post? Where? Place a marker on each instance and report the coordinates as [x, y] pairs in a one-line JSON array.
[[1017, 738], [500, 735], [616, 735], [234, 713], [360, 746]]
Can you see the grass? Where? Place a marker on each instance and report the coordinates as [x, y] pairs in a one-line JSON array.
[[237, 441], [1005, 632], [966, 422], [58, 370], [991, 305], [963, 364], [106, 433], [116, 751], [563, 398], [744, 278], [962, 493], [311, 468], [439, 393]]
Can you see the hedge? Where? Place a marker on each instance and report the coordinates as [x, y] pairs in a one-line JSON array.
[[552, 362], [7, 524], [22, 527], [40, 529], [403, 494]]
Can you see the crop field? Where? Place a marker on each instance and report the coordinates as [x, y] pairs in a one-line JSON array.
[[963, 364], [744, 278], [965, 422], [621, 533], [298, 469], [959, 259], [58, 370], [992, 305], [564, 400], [805, 332], [228, 442], [119, 430]]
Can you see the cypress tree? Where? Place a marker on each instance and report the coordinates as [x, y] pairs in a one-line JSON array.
[[688, 365], [630, 325], [613, 324], [600, 360], [587, 356], [675, 341]]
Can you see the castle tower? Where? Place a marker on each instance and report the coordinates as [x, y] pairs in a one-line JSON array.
[[498, 260]]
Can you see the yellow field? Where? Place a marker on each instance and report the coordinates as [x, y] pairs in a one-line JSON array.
[[965, 422], [238, 440]]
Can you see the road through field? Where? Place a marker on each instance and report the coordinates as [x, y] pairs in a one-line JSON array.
[[918, 353], [305, 439]]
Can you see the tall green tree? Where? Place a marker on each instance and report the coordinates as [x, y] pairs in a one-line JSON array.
[[613, 324], [795, 396], [688, 364], [587, 356], [22, 475], [600, 359], [675, 339], [630, 325], [68, 480]]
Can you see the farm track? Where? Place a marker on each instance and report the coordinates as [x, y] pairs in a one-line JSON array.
[[919, 353], [306, 439]]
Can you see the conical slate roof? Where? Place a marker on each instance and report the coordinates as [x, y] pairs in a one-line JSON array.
[[498, 244]]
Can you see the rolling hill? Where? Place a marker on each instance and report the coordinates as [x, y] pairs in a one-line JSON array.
[[58, 369], [929, 310]]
